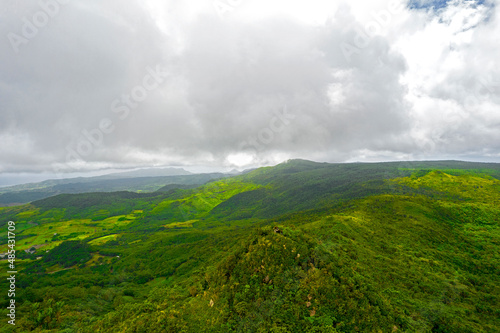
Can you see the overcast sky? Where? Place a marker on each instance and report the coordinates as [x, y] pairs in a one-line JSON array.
[[100, 84]]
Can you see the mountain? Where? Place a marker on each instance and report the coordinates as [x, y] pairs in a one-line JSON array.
[[298, 247], [152, 172], [139, 180]]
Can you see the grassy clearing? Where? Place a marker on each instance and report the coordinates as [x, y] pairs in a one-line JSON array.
[[187, 224], [27, 214], [103, 240], [53, 233]]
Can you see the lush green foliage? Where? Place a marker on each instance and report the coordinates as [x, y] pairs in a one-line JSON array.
[[68, 254], [300, 247]]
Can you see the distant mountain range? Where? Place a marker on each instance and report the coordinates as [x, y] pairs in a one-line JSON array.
[[143, 180], [154, 172]]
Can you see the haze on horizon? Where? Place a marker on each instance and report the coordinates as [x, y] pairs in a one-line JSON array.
[[91, 86]]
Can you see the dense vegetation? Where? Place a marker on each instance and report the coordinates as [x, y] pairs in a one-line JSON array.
[[69, 253], [300, 247]]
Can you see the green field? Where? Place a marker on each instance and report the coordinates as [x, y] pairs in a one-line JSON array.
[[50, 234]]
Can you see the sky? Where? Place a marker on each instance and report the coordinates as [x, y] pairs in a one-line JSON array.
[[98, 85]]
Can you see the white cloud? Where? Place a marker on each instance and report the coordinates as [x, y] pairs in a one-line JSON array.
[[421, 83], [452, 69]]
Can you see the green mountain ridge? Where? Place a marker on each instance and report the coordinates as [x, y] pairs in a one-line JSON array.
[[299, 247], [31, 192]]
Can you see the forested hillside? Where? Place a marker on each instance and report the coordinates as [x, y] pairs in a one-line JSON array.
[[299, 247]]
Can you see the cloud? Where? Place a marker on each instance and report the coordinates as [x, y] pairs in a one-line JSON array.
[[258, 84], [453, 80], [63, 79]]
